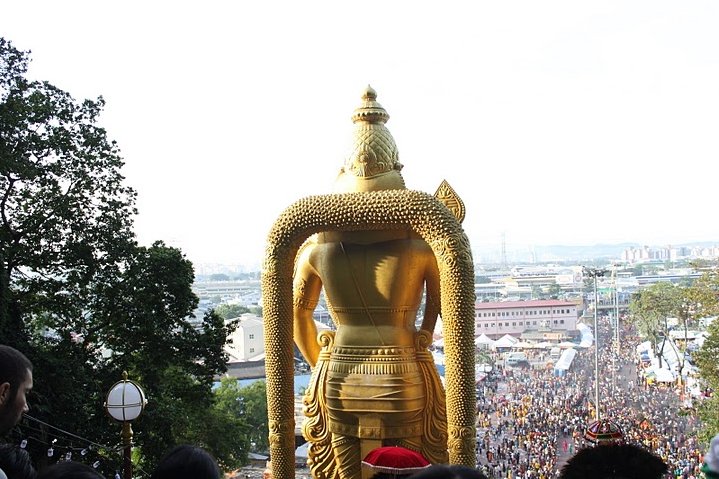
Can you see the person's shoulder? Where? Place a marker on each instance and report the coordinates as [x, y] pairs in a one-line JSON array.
[[2, 474]]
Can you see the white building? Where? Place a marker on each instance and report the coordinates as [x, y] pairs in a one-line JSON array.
[[516, 317], [248, 341]]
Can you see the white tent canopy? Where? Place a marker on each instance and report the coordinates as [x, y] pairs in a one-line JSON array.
[[506, 341], [483, 339]]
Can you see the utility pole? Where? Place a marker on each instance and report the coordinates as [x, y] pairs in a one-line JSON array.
[[616, 311], [595, 273], [616, 307]]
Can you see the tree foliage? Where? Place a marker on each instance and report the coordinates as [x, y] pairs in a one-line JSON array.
[[249, 403], [707, 357], [65, 214], [146, 326], [77, 294], [708, 362], [650, 308], [688, 303], [230, 311], [255, 411]]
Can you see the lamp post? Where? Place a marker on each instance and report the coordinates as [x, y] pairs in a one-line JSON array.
[[616, 307], [125, 402], [615, 310], [594, 273]]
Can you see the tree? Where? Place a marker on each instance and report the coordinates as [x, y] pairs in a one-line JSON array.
[[554, 290], [706, 359], [707, 294], [537, 292], [65, 229], [483, 357], [225, 431], [255, 411], [148, 326], [142, 322], [229, 311], [650, 308], [65, 213], [77, 294], [248, 403]]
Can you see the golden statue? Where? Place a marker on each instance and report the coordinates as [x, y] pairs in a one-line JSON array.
[[374, 247]]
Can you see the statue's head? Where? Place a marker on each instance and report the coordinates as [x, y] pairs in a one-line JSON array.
[[373, 163]]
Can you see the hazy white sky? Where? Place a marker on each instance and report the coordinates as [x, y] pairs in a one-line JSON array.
[[557, 122]]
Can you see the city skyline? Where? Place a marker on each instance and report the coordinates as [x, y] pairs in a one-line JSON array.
[[549, 255], [557, 123]]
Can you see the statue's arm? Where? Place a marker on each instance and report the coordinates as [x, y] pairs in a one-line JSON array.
[[306, 291], [433, 303]]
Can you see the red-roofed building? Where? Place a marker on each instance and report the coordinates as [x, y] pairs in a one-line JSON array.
[[517, 317]]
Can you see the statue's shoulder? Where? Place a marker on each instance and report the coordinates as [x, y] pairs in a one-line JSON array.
[[418, 242], [305, 249]]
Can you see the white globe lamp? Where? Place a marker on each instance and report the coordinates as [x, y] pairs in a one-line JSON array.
[[124, 403]]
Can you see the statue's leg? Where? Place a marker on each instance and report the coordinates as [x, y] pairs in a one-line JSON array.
[[413, 443], [347, 456], [370, 427]]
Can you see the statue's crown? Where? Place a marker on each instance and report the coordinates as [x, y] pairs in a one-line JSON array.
[[373, 151]]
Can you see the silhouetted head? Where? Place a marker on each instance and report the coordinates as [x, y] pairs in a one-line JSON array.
[[187, 462], [614, 461], [441, 471], [15, 384]]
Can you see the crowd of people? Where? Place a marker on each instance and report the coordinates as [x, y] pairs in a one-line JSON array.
[[530, 420], [531, 423]]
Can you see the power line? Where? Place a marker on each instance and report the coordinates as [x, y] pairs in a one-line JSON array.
[[88, 441]]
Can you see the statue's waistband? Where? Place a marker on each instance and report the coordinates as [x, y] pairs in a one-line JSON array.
[[366, 360], [382, 353], [371, 309]]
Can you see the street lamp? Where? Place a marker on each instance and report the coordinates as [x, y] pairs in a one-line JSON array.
[[616, 306], [595, 273], [125, 402]]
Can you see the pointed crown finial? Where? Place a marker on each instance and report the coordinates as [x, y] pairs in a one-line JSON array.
[[370, 110], [374, 151]]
